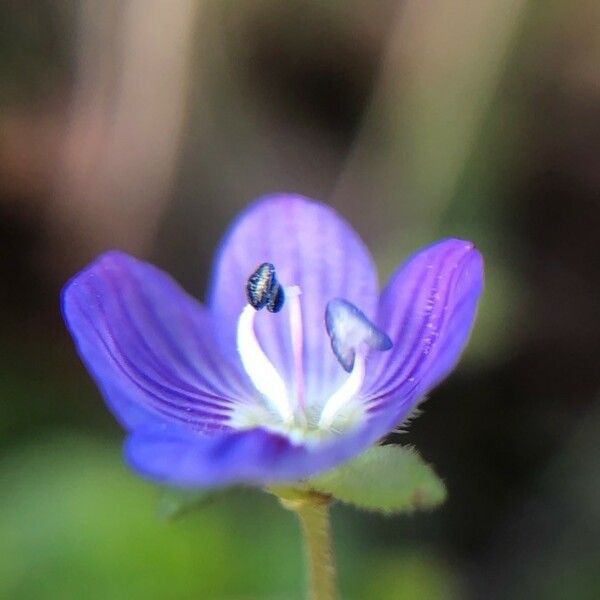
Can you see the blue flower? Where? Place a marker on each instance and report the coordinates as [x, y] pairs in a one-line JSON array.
[[295, 364]]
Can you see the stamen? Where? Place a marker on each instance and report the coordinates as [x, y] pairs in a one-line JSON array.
[[349, 328], [275, 303], [259, 368], [344, 394], [352, 336]]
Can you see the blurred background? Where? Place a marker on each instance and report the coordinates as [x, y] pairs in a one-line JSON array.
[[146, 125]]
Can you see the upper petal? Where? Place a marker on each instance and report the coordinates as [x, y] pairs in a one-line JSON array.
[[427, 309], [150, 347], [311, 247]]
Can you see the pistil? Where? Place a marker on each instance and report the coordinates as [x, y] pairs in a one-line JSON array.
[[292, 294]]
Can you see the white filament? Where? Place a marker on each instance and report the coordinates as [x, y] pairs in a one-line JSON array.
[[259, 368], [344, 394]]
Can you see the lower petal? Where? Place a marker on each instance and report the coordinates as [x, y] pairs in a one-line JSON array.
[[254, 457]]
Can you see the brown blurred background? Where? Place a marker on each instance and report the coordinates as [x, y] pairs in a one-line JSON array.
[[147, 125]]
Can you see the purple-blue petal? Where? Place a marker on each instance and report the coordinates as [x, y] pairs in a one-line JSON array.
[[427, 309], [310, 246], [254, 457], [150, 347]]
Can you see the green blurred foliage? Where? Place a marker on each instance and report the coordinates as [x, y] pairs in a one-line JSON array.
[[75, 523]]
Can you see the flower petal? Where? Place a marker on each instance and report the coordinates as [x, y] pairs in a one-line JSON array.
[[150, 347], [311, 247], [427, 309], [252, 456]]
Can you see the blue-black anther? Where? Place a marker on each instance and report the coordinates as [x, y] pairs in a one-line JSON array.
[[275, 303], [263, 289]]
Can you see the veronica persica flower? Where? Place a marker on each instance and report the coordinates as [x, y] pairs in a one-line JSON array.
[[296, 363]]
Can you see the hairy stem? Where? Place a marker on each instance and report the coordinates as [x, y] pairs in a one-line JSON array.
[[313, 514]]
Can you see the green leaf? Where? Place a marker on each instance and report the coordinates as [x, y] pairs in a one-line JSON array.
[[176, 502], [388, 479]]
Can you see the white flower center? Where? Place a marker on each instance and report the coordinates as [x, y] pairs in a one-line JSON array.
[[284, 406]]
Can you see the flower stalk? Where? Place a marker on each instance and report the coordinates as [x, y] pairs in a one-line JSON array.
[[312, 510]]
